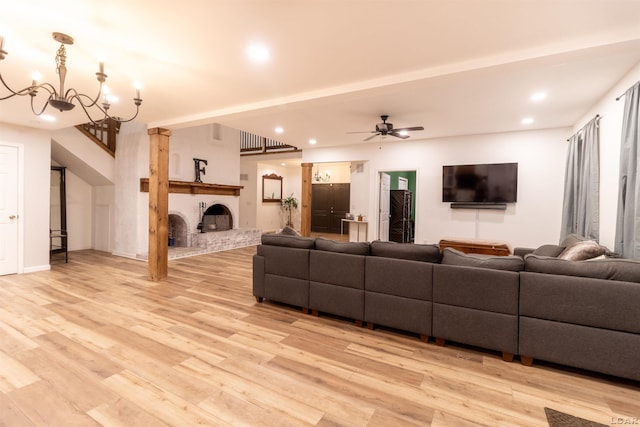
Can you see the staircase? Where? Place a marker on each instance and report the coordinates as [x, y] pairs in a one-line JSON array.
[[102, 132]]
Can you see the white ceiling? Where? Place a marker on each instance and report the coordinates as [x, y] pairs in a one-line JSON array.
[[455, 67]]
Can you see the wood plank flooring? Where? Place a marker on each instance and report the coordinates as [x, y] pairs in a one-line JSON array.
[[93, 342]]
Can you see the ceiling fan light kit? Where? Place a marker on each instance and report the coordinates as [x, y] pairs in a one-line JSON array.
[[66, 100], [384, 129]]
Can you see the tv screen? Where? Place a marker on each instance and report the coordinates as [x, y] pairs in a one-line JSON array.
[[485, 183]]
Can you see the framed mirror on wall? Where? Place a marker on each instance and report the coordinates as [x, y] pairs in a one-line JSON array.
[[272, 188]]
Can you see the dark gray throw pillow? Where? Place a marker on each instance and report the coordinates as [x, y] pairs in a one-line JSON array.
[[572, 239], [289, 231], [549, 250], [510, 263]]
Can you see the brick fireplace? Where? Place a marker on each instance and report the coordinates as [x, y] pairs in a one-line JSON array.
[[218, 234]]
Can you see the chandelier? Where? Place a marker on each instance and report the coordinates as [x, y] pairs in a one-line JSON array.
[[317, 177], [66, 100]]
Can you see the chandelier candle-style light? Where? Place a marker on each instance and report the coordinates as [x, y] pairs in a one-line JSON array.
[[64, 100]]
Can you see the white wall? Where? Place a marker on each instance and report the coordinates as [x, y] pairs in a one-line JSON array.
[[610, 126], [220, 146], [130, 217], [532, 221], [248, 195], [79, 196], [103, 215], [339, 173], [34, 202], [359, 199], [271, 216]]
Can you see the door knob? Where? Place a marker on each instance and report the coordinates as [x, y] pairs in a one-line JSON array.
[[12, 217]]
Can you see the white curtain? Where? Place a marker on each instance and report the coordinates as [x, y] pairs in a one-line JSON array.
[[627, 241], [581, 204]]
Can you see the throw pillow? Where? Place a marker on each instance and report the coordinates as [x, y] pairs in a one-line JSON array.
[[572, 239], [549, 250], [288, 231], [582, 250]]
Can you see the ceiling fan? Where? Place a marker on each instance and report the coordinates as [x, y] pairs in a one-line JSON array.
[[385, 128]]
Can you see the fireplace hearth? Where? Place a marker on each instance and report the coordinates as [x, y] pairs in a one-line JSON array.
[[218, 234]]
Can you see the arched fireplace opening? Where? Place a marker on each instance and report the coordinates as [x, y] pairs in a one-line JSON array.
[[217, 218], [178, 231]]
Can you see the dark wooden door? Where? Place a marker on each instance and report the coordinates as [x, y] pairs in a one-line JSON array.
[[320, 207], [329, 204]]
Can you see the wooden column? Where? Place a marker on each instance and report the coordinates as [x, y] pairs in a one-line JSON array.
[[305, 212], [158, 203]]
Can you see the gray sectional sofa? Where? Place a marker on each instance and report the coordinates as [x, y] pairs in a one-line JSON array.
[[584, 314]]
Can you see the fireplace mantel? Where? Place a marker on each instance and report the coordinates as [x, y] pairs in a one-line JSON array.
[[186, 187]]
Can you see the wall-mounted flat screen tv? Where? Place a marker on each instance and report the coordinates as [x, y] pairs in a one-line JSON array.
[[483, 183]]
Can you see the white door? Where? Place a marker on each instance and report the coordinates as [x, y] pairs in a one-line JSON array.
[[385, 202], [8, 210]]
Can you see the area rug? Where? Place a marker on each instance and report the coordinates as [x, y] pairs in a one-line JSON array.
[[560, 419]]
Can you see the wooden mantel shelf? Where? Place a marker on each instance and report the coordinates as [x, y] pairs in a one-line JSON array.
[[185, 187]]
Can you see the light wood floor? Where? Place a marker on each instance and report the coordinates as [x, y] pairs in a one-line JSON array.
[[93, 342]]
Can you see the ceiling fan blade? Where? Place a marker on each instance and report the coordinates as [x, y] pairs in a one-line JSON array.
[[397, 135], [371, 137], [363, 131], [409, 128]]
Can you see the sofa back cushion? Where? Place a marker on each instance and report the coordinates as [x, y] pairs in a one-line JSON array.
[[337, 269], [452, 256], [407, 251], [285, 261], [353, 248], [399, 277], [288, 241], [621, 269], [608, 305]]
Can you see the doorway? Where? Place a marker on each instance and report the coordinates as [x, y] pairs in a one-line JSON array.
[[329, 205], [9, 238], [397, 206]]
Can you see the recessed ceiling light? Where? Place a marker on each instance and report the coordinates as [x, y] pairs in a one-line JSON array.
[[538, 96], [47, 118], [527, 120], [283, 164], [312, 141], [279, 129], [258, 53]]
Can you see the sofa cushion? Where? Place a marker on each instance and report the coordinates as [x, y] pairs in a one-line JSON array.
[[454, 257], [582, 250], [549, 250], [408, 251], [354, 248], [621, 269], [288, 241]]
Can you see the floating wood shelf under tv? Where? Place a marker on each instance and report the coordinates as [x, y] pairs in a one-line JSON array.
[[186, 187]]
